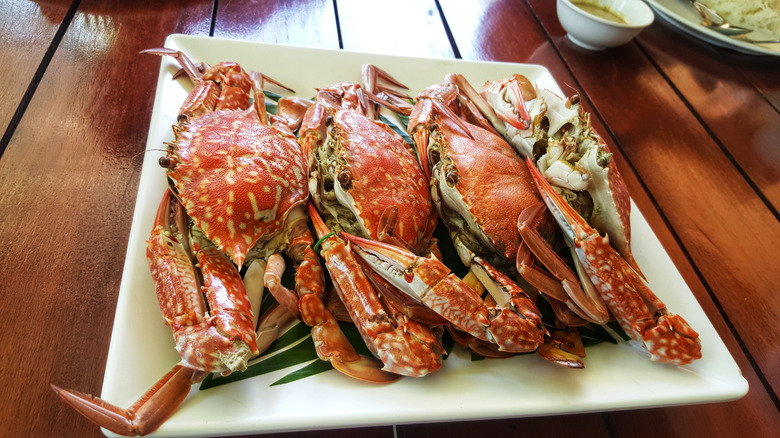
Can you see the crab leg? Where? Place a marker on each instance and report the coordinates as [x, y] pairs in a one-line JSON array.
[[309, 277], [373, 89], [581, 300], [219, 337], [146, 414], [404, 347], [641, 314], [513, 326]]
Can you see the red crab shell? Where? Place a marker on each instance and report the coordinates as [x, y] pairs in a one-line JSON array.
[[492, 179], [386, 174], [237, 178], [495, 184]]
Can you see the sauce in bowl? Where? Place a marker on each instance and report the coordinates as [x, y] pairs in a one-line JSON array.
[[599, 11]]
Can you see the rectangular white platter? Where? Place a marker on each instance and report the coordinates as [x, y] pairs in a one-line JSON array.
[[616, 376]]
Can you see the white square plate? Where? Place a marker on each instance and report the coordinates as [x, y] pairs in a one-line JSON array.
[[615, 377]]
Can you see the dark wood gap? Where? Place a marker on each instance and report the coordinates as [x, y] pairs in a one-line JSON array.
[[338, 23], [448, 31], [36, 79], [213, 25]]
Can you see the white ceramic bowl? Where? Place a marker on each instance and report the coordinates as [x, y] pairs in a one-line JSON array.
[[596, 33]]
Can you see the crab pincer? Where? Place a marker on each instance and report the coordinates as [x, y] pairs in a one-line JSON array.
[[211, 323], [403, 346], [644, 317], [512, 324]]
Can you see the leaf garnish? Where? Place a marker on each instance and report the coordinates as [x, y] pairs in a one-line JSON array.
[[315, 367]]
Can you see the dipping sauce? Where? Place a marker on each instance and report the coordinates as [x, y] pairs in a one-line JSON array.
[[599, 11]]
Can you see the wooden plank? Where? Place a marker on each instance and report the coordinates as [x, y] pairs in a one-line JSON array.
[[403, 27], [28, 32], [72, 167], [295, 22], [713, 82], [480, 31]]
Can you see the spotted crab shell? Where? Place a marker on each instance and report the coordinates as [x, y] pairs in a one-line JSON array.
[[237, 178], [384, 174]]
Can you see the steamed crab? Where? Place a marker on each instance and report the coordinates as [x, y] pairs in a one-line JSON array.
[[481, 189], [573, 170], [238, 193], [364, 179], [556, 134]]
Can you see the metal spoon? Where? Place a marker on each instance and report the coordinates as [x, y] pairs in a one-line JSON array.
[[714, 21]]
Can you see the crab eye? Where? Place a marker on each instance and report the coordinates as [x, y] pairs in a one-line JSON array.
[[328, 120], [345, 178], [167, 162], [435, 156], [451, 175]]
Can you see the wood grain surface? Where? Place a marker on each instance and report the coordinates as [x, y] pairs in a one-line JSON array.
[[695, 130]]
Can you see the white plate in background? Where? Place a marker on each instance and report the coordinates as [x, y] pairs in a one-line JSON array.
[[682, 15]]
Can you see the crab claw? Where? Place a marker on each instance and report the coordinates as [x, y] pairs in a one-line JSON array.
[[518, 115], [506, 104], [514, 327], [404, 347], [639, 311], [582, 300], [146, 414]]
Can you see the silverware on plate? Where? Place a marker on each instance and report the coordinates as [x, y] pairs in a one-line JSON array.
[[712, 20]]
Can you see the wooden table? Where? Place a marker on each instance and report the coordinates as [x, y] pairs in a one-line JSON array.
[[695, 129]]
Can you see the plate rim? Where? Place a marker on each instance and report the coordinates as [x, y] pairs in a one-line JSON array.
[[731, 387]]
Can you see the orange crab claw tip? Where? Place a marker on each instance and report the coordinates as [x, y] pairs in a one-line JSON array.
[[98, 411], [364, 368], [551, 352]]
